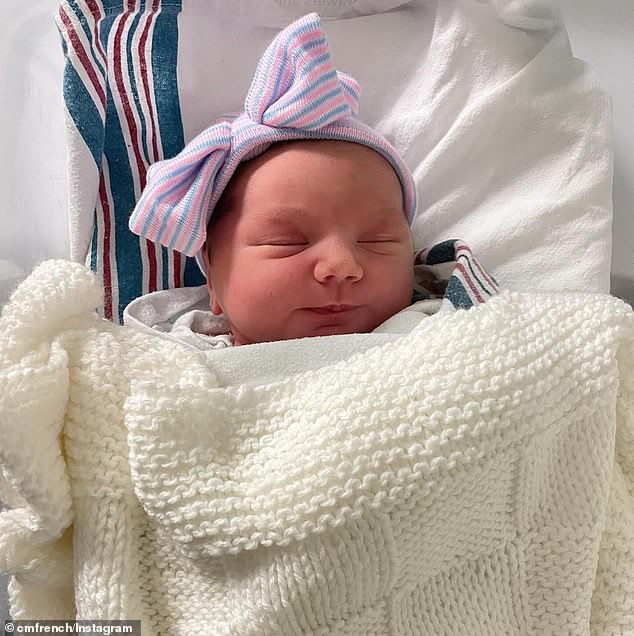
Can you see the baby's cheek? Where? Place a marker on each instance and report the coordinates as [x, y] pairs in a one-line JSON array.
[[273, 279], [397, 284]]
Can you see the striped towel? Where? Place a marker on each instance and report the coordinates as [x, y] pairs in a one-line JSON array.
[[451, 272], [120, 90]]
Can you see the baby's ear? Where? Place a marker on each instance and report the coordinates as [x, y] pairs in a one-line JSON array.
[[213, 302]]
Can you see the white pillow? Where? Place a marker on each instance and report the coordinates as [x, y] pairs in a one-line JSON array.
[[506, 133]]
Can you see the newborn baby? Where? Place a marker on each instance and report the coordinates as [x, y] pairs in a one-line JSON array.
[[298, 213], [309, 239]]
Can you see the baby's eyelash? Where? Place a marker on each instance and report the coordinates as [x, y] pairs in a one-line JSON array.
[[286, 243]]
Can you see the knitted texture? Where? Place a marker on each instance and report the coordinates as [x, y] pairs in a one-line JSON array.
[[474, 476]]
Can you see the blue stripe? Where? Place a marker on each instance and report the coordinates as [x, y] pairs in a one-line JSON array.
[[112, 6], [93, 243], [321, 80], [350, 90], [443, 252], [165, 256], [328, 116], [318, 102], [317, 61], [164, 58], [84, 112], [262, 75], [457, 294], [127, 266], [296, 53]]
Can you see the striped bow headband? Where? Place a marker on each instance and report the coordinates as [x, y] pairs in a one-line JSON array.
[[296, 94]]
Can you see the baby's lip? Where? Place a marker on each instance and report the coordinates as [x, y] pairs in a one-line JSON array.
[[332, 309]]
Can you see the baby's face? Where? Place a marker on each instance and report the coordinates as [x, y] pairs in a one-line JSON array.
[[314, 242]]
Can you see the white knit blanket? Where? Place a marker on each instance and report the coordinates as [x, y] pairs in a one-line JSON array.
[[473, 476]]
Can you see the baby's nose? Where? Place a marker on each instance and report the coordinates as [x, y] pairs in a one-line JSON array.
[[338, 261]]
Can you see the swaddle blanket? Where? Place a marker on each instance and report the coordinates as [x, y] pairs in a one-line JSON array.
[[472, 476]]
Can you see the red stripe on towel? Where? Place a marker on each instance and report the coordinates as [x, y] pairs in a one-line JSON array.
[[151, 257], [146, 85], [133, 133], [96, 11], [474, 261], [467, 278], [125, 103], [107, 265], [78, 47]]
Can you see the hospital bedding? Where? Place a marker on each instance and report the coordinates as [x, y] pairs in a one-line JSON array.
[[506, 133], [508, 138]]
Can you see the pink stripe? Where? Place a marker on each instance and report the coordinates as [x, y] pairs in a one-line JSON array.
[[325, 110], [303, 60], [307, 57], [314, 114], [283, 51], [291, 96]]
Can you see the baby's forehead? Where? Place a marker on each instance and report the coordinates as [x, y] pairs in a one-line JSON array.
[[301, 217], [309, 162], [275, 188]]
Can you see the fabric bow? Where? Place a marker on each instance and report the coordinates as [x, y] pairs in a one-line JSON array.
[[295, 83]]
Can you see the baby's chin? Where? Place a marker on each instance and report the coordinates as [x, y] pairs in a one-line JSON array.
[[317, 324]]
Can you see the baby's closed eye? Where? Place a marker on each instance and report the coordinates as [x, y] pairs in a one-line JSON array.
[[280, 246], [379, 244], [282, 242], [264, 239]]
